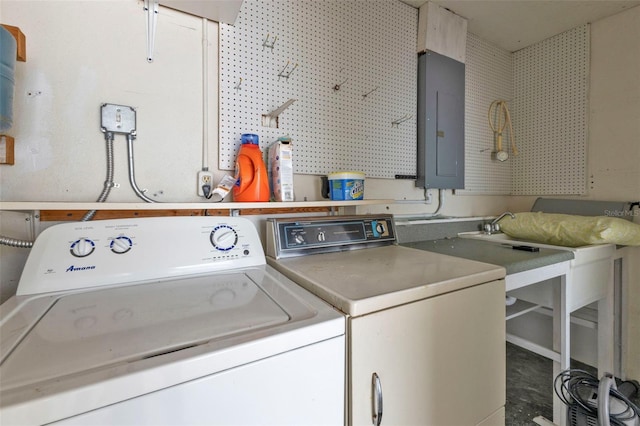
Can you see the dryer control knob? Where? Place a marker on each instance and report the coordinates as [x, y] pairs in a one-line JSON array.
[[82, 247], [224, 237]]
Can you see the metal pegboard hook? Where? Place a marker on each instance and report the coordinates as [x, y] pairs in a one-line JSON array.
[[286, 72], [339, 85], [269, 43], [370, 92], [396, 123]]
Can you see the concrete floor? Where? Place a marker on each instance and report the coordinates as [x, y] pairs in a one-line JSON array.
[[530, 386]]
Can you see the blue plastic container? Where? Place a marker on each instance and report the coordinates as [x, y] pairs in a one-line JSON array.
[[346, 186]]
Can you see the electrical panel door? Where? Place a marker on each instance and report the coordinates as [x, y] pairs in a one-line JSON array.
[[440, 122]]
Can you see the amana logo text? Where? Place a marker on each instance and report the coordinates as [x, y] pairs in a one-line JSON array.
[[79, 268]]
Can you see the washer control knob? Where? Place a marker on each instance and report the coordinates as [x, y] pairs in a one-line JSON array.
[[224, 237], [299, 239], [82, 247], [121, 244]]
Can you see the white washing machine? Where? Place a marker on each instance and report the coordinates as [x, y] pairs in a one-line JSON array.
[[166, 321]]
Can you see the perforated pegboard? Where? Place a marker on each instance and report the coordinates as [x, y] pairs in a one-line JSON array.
[[488, 78], [368, 48], [551, 107]]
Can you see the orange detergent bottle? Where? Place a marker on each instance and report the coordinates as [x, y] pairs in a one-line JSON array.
[[252, 183]]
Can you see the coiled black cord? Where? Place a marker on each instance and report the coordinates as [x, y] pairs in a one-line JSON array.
[[575, 387]]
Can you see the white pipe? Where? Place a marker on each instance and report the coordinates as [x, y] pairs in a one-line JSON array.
[[205, 94], [132, 173], [422, 201], [108, 183], [423, 215]]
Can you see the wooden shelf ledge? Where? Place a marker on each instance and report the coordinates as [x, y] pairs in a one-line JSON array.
[[76, 215], [72, 211]]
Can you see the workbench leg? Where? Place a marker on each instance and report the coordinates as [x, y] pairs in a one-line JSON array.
[[606, 328], [561, 340]]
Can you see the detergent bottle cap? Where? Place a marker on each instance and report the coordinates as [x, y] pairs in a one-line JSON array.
[[249, 138]]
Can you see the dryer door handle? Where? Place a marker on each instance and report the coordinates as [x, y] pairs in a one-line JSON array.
[[376, 399]]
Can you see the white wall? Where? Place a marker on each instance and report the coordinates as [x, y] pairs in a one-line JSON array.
[[614, 142], [82, 54], [614, 154]]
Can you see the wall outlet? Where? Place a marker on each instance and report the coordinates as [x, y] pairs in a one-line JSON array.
[[205, 179]]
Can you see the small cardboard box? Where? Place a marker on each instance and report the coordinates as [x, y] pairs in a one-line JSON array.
[[280, 167]]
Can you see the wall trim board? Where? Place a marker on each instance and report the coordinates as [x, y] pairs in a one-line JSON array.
[[76, 215]]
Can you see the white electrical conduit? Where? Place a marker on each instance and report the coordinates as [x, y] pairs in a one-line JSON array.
[[500, 111], [14, 242], [132, 177], [108, 182], [151, 8], [205, 94], [424, 215]]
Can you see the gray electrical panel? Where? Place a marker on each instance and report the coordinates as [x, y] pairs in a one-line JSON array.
[[440, 122]]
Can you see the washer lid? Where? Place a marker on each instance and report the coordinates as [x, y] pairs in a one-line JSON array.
[[83, 331]]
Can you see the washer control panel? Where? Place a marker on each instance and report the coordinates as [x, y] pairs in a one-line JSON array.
[[88, 254], [296, 237]]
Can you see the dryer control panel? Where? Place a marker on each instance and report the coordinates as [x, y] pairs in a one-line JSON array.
[[302, 236], [104, 252]]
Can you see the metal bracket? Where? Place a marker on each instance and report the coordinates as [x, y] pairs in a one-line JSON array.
[[271, 119], [35, 224], [151, 7]]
